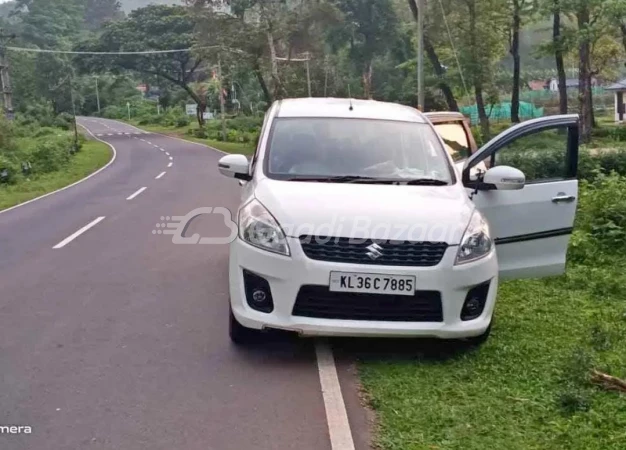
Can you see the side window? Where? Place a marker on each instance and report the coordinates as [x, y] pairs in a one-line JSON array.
[[542, 156], [455, 139]]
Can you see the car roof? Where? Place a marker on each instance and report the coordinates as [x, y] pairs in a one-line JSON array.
[[444, 116], [340, 108]]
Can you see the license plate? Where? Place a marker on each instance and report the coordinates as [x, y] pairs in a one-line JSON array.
[[372, 283]]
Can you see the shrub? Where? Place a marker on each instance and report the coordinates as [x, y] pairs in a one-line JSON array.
[[8, 170], [50, 155], [601, 218], [200, 133], [44, 131], [182, 121]]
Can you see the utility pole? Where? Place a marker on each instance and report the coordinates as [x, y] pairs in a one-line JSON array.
[[74, 111], [221, 88], [97, 94], [308, 72], [421, 11], [326, 76], [5, 80]]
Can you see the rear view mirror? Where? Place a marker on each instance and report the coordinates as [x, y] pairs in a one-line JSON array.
[[234, 166], [504, 178]]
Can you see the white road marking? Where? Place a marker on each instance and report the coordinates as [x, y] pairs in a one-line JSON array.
[[167, 153], [148, 142], [137, 193], [170, 164], [73, 184], [336, 414], [142, 140], [171, 159], [99, 134], [162, 149], [70, 238], [110, 134], [120, 134], [159, 175]]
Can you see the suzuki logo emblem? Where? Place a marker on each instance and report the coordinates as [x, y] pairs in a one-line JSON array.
[[375, 251]]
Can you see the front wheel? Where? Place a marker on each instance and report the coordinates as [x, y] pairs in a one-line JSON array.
[[239, 334]]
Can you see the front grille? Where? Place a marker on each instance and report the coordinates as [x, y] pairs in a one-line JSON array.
[[319, 302], [390, 253]]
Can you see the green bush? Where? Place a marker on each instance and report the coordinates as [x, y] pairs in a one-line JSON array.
[[50, 155], [601, 219], [8, 170], [200, 133], [182, 121], [44, 131]]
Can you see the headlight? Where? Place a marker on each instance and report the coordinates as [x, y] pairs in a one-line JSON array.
[[476, 242], [259, 228]]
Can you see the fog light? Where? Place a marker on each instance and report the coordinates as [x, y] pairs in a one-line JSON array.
[[258, 293], [258, 296], [475, 302], [473, 306]]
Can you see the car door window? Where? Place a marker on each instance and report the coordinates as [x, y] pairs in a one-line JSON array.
[[455, 139], [542, 156]]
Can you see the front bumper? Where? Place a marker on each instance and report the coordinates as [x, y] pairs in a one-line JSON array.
[[286, 275]]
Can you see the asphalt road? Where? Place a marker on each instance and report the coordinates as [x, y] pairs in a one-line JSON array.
[[117, 338]]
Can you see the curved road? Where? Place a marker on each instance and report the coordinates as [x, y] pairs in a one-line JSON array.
[[112, 337]]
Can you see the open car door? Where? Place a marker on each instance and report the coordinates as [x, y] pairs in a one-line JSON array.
[[531, 226]]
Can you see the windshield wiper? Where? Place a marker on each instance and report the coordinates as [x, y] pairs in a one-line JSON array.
[[373, 180], [425, 182], [343, 179]]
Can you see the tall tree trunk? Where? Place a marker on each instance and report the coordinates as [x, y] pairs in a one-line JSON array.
[[200, 110], [557, 41], [259, 76], [478, 73], [433, 58], [517, 23], [367, 80], [441, 73], [276, 88], [584, 76]]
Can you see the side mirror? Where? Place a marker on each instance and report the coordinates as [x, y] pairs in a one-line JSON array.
[[504, 178], [234, 166]]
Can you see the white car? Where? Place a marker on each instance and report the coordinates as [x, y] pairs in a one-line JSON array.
[[355, 221]]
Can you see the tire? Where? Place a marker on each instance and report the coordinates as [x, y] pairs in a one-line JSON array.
[[239, 334]]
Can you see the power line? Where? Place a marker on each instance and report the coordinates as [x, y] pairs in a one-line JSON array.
[[146, 52]]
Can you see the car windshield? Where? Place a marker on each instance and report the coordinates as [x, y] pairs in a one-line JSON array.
[[355, 150]]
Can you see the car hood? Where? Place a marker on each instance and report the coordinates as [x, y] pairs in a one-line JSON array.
[[367, 211]]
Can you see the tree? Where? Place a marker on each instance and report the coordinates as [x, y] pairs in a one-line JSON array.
[[98, 12], [519, 10], [558, 46], [368, 27], [435, 62], [150, 28]]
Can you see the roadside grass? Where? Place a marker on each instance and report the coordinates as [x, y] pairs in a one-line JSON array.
[[90, 158], [529, 386], [181, 132]]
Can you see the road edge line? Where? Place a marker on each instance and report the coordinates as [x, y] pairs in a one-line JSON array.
[[76, 182], [336, 414]]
